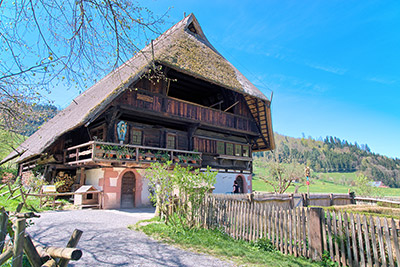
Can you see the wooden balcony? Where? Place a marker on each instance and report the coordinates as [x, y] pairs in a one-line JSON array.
[[159, 105], [120, 154]]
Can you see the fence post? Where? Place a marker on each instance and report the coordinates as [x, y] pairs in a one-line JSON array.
[[315, 239], [305, 200], [352, 197]]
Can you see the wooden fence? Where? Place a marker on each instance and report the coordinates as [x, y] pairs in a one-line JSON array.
[[349, 239], [287, 201]]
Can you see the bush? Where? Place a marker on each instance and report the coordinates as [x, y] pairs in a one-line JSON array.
[[264, 244]]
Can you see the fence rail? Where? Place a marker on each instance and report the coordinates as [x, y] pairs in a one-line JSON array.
[[350, 239]]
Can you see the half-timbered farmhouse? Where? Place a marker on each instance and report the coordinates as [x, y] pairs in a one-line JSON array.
[[178, 99]]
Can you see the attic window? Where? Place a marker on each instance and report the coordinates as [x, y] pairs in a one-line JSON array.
[[192, 28]]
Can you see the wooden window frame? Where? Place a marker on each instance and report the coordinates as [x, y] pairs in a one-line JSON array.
[[223, 144], [246, 148], [240, 150], [231, 152], [132, 135], [175, 140], [95, 130]]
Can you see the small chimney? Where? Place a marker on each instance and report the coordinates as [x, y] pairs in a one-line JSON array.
[[184, 14]]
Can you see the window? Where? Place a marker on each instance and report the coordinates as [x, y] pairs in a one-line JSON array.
[[97, 133], [238, 150], [229, 149], [171, 141], [246, 151], [136, 137], [220, 147]]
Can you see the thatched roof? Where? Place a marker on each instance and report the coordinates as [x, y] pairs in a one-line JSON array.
[[183, 47]]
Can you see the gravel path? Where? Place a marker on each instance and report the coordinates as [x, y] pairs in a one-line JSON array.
[[106, 240]]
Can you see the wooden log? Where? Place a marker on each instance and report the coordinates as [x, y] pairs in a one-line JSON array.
[[19, 207], [273, 228], [388, 242], [348, 247], [64, 253], [26, 215], [3, 227], [72, 243], [381, 243], [366, 239], [19, 237], [40, 250], [31, 252], [14, 197], [50, 263], [6, 255], [373, 240], [360, 241]]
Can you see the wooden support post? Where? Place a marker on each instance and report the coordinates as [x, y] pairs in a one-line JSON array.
[[315, 238], [19, 207], [64, 253], [19, 236], [50, 263], [3, 228], [72, 243], [6, 255], [31, 252]]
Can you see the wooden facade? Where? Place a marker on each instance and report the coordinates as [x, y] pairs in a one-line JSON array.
[[187, 105]]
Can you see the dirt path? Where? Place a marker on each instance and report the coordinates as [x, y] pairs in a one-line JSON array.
[[106, 240]]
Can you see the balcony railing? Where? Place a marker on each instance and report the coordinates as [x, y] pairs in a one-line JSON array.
[[181, 109], [95, 151]]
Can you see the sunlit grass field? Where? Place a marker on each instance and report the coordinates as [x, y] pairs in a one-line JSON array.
[[333, 182]]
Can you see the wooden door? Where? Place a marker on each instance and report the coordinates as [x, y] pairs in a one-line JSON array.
[[128, 190]]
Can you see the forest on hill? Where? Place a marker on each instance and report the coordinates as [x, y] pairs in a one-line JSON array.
[[334, 155]]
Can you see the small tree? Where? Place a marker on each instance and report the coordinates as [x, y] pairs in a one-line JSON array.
[[364, 186], [281, 175], [159, 177], [190, 185]]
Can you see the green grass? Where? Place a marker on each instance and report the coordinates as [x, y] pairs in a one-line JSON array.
[[32, 203], [216, 243], [332, 182]]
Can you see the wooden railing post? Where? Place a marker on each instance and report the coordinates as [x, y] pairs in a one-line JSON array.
[[315, 239], [19, 237], [3, 228]]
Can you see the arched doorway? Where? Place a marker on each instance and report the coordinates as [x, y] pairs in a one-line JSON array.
[[128, 187], [239, 180]]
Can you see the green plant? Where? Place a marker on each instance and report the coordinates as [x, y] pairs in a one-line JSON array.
[[264, 244], [327, 261]]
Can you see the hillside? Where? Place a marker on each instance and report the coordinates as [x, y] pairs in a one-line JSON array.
[[335, 155]]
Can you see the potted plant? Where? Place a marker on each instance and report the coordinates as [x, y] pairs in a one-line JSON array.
[[120, 152], [141, 154], [149, 155], [164, 156], [182, 158], [195, 158]]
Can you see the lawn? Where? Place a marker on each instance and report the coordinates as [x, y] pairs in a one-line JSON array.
[[221, 245], [333, 182]]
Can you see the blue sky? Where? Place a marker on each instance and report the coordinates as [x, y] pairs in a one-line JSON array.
[[333, 66]]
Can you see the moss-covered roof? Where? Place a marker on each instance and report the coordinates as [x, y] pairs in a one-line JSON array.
[[183, 47]]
